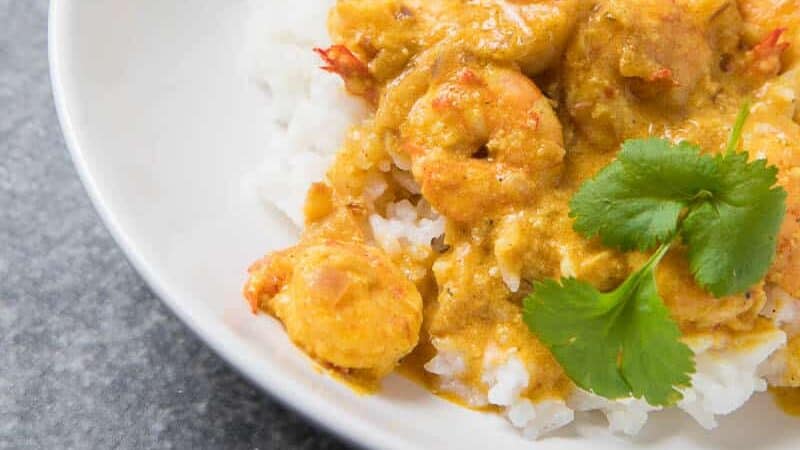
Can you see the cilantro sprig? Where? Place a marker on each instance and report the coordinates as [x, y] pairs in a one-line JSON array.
[[726, 210], [616, 344]]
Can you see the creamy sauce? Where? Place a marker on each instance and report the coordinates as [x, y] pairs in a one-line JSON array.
[[500, 161], [788, 399], [412, 368]]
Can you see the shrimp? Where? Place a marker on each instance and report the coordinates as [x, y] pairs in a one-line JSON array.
[[645, 57], [696, 309], [539, 242], [481, 138], [344, 303], [776, 137], [355, 74], [763, 21], [530, 33], [384, 34], [773, 30], [763, 61], [388, 33], [340, 297]]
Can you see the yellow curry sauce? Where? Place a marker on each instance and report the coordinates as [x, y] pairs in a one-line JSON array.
[[491, 114], [788, 399], [788, 395]]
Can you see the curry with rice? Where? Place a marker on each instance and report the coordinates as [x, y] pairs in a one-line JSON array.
[[501, 120]]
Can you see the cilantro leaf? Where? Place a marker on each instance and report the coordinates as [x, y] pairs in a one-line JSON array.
[[572, 320], [732, 212], [617, 344], [733, 236], [636, 201], [654, 360], [728, 212]]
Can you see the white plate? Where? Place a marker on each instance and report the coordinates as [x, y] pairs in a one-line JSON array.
[[162, 121]]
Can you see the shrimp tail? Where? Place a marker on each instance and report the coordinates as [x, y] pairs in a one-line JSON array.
[[267, 277], [358, 80], [764, 59]]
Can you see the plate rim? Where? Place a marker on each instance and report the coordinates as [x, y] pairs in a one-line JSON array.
[[351, 429]]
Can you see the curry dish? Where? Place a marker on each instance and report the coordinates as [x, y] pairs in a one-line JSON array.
[[489, 115]]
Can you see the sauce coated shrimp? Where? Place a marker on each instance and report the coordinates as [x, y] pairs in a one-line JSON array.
[[358, 81], [776, 137], [386, 34], [481, 139], [646, 59], [772, 29], [341, 299], [530, 33], [344, 303], [763, 18]]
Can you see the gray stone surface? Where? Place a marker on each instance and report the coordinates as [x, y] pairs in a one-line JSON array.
[[89, 358]]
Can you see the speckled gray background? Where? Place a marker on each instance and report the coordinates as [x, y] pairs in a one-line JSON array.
[[89, 357]]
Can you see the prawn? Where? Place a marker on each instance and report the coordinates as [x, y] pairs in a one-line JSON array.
[[763, 61], [388, 33], [529, 33], [355, 74], [776, 137], [384, 34], [344, 303], [482, 138], [779, 21], [644, 56]]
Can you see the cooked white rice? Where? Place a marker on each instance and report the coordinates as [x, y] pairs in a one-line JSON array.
[[449, 365], [405, 224], [310, 114], [506, 377], [724, 381]]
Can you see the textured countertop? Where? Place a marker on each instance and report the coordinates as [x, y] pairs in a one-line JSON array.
[[89, 357]]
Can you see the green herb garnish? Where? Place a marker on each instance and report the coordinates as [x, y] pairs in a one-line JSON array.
[[724, 208], [614, 344]]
